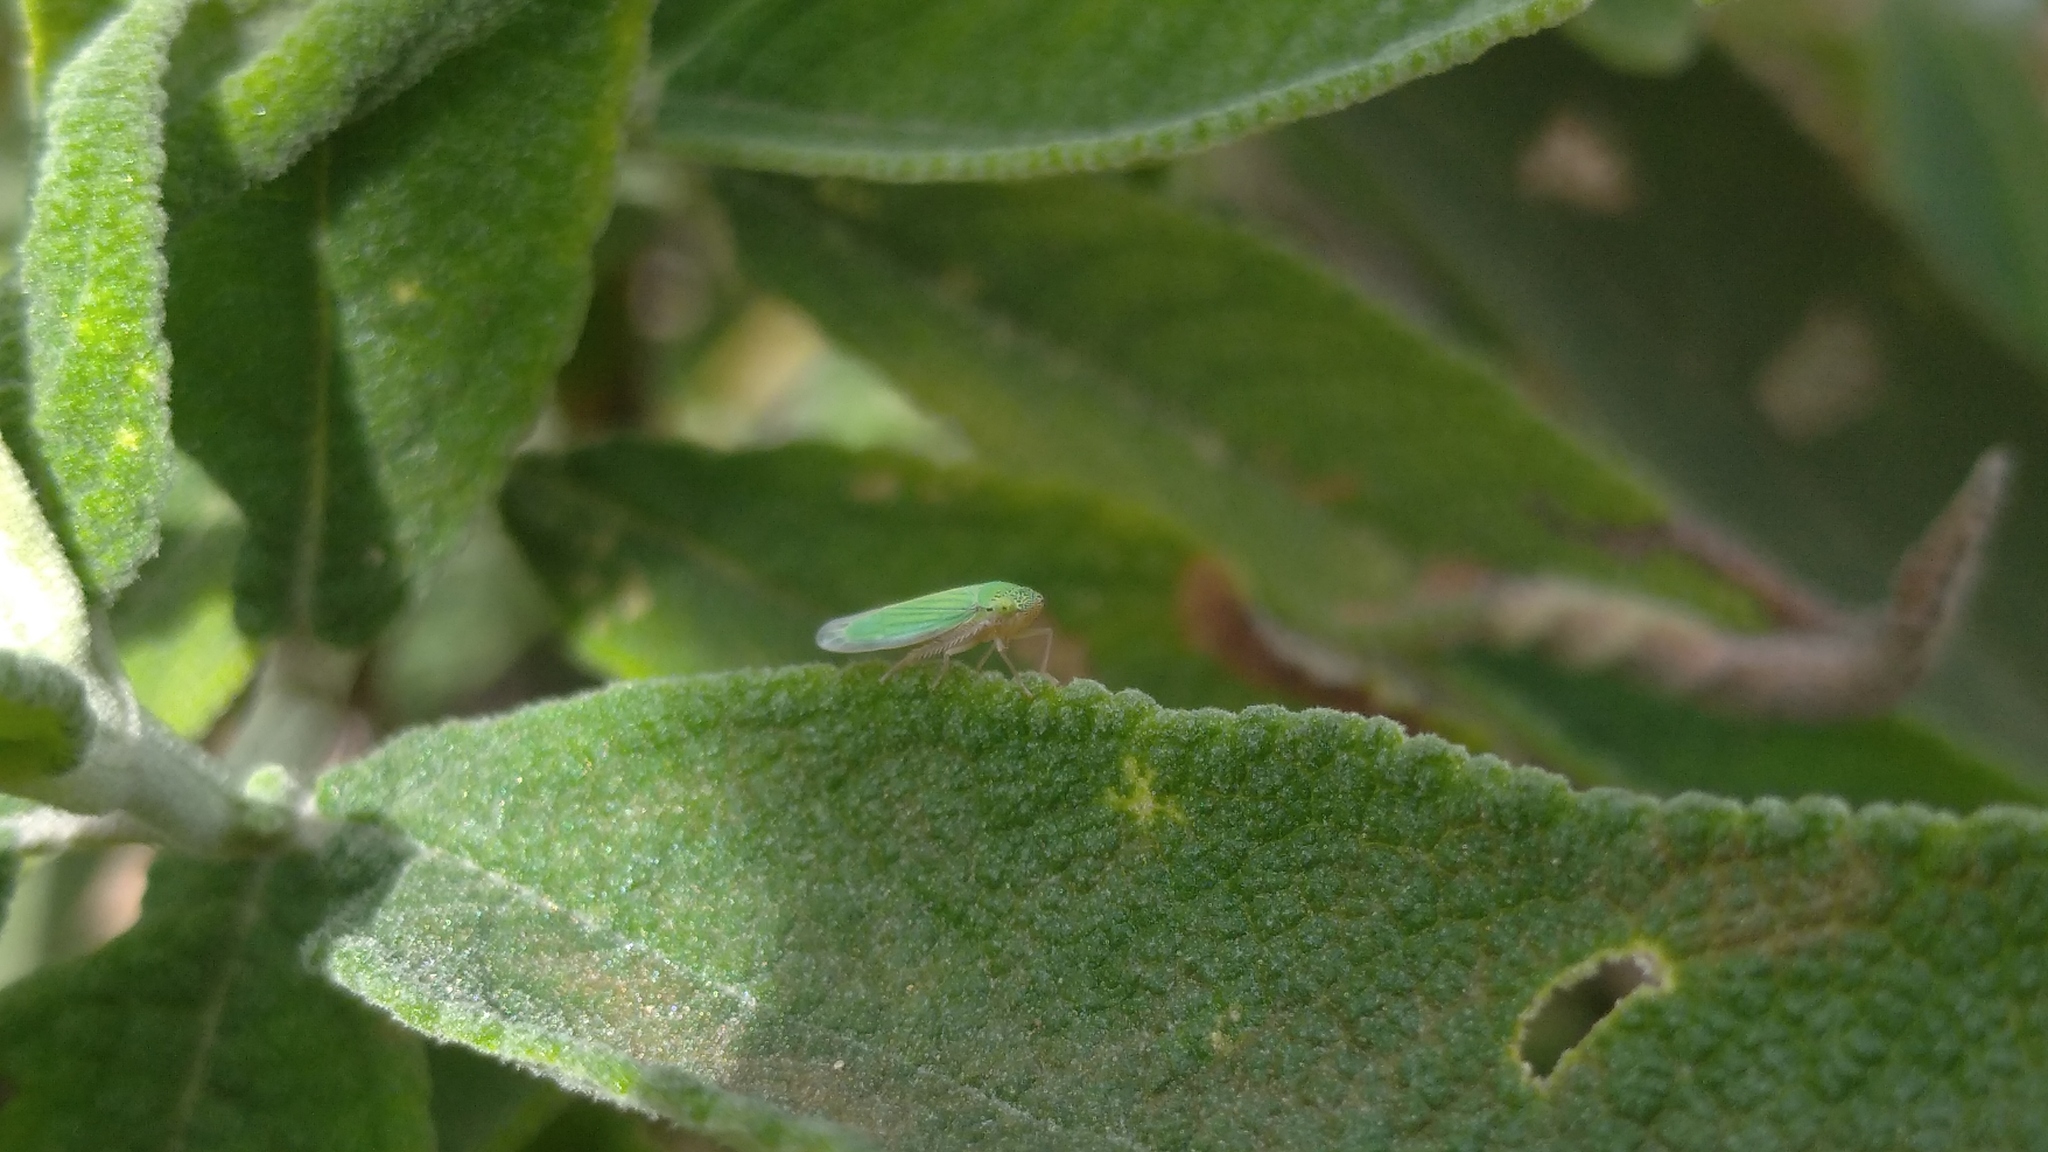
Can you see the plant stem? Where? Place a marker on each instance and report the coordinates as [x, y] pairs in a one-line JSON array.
[[300, 706]]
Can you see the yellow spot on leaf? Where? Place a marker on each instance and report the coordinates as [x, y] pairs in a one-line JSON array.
[[1221, 1040], [405, 291], [127, 439], [1138, 798]]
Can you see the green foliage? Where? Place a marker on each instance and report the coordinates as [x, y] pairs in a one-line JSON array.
[[1824, 409], [42, 609], [175, 625], [337, 60], [201, 1029], [1962, 135], [1093, 332], [585, 1127], [482, 1104], [1041, 914], [45, 723], [1624, 734], [92, 268], [71, 733], [55, 29], [1573, 404], [45, 720], [480, 613], [899, 91], [1102, 336], [676, 560], [320, 317], [1653, 37]]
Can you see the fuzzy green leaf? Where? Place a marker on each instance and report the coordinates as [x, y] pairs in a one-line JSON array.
[[201, 1029], [983, 89], [42, 608], [45, 722], [17, 401], [1031, 410], [362, 341], [338, 60], [1015, 915], [93, 273], [71, 733], [675, 560], [1767, 343]]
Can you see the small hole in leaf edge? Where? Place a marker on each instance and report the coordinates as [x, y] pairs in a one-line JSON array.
[[1575, 1003]]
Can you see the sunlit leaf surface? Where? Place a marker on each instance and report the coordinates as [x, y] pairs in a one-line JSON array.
[[1012, 914]]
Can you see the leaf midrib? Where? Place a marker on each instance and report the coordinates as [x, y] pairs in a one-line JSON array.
[[313, 526], [249, 907]]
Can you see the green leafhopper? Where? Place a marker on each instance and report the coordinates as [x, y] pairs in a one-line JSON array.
[[943, 624]]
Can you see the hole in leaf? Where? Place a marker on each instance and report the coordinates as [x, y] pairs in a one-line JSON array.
[[1575, 1002]]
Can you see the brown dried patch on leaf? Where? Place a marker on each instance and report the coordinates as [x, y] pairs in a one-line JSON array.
[[1841, 666]]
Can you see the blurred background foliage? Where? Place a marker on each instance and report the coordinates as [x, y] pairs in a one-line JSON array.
[[1775, 269], [1771, 269], [1705, 309]]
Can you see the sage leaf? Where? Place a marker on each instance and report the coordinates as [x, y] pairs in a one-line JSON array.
[[1100, 335], [431, 260], [257, 112], [92, 270], [904, 91], [200, 1028], [1017, 914]]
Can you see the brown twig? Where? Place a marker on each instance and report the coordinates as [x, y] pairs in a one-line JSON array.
[[1837, 667], [1218, 621]]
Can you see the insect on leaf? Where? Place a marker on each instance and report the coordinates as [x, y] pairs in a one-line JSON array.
[[905, 623]]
